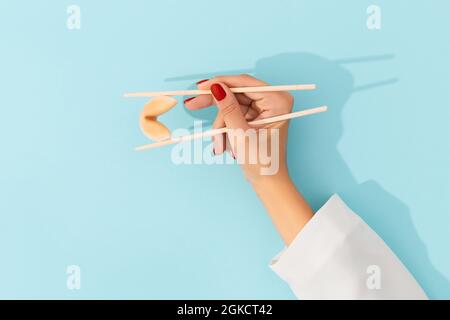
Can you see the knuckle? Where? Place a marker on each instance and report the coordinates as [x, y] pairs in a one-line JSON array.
[[252, 80], [217, 79], [286, 97], [229, 109], [246, 76], [289, 98]]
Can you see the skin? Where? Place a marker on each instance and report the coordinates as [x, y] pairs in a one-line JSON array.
[[287, 208]]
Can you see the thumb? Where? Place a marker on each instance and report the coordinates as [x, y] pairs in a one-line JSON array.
[[228, 106]]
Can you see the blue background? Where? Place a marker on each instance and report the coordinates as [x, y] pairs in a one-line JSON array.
[[73, 191]]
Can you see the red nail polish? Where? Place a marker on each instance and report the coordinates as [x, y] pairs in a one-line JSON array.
[[218, 92], [201, 81], [188, 99]]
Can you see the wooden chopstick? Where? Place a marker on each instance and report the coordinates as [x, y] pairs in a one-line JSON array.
[[214, 132], [235, 90]]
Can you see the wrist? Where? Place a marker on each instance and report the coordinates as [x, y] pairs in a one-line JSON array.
[[271, 181], [286, 206]]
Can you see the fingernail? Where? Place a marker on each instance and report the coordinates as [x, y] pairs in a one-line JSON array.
[[188, 99], [201, 81], [218, 92]]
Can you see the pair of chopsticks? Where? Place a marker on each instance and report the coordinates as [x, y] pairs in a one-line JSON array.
[[214, 132]]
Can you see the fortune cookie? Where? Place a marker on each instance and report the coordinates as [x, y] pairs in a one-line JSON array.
[[154, 129], [159, 105], [148, 121]]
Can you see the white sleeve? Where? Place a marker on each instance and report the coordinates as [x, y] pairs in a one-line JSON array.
[[338, 256]]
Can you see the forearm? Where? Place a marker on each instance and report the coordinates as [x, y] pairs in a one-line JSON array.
[[287, 208]]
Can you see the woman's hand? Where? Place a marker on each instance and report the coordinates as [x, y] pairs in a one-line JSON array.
[[286, 206], [261, 154]]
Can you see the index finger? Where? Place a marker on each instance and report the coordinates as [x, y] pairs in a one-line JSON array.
[[234, 81]]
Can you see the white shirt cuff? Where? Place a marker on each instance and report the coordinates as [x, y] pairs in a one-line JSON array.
[[338, 256]]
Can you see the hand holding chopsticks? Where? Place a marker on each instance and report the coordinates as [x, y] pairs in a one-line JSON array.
[[162, 103]]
